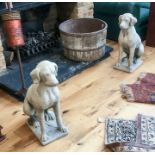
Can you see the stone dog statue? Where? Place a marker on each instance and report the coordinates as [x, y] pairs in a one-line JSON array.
[[130, 46], [42, 95]]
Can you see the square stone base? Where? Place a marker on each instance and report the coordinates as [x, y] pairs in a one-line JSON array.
[[51, 130], [124, 66]]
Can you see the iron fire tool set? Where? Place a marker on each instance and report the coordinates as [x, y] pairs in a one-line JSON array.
[[13, 31], [2, 137]]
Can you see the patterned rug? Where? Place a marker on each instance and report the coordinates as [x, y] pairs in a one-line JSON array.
[[131, 135], [143, 90]]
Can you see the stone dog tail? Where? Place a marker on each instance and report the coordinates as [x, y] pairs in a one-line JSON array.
[[139, 51]]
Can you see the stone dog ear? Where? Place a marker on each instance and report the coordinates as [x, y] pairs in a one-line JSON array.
[[133, 21], [120, 18], [55, 67], [35, 76]]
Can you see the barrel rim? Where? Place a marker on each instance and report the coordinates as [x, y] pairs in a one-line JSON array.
[[83, 34]]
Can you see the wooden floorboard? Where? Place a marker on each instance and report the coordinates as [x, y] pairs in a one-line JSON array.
[[85, 97]]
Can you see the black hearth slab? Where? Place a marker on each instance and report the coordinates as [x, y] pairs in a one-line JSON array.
[[10, 80], [21, 6]]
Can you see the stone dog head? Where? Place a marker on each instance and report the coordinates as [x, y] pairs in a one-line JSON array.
[[45, 73], [127, 20]]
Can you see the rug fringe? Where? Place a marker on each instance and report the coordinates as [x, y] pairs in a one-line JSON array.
[[127, 92], [142, 75]]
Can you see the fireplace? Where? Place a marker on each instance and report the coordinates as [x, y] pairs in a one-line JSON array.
[[39, 17], [40, 27]]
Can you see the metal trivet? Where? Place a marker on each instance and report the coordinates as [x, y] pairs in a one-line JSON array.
[[2, 137]]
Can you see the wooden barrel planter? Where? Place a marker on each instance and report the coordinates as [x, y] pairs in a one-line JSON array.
[[83, 39]]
